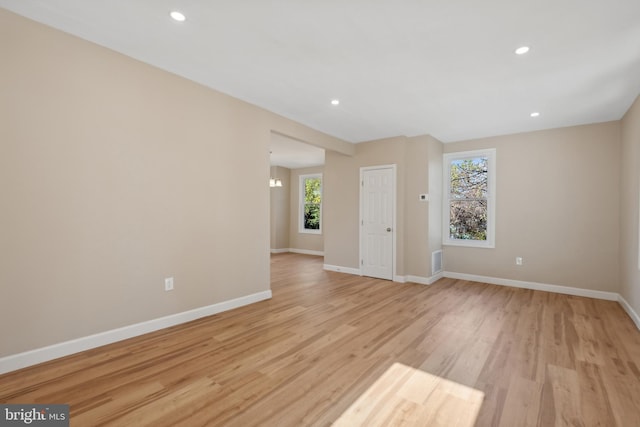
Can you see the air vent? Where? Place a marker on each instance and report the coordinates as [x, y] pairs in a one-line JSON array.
[[436, 262]]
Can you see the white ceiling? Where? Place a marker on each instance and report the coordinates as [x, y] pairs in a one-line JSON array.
[[403, 67]]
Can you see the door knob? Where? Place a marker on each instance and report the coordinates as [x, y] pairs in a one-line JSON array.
[[388, 228]]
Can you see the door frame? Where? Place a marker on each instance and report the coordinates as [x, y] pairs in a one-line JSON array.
[[394, 173]]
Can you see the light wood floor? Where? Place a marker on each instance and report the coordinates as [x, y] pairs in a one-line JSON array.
[[334, 347]]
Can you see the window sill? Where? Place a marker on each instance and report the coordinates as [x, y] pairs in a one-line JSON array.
[[310, 232], [470, 244]]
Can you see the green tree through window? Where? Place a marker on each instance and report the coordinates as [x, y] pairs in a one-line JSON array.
[[468, 199], [312, 208], [469, 208]]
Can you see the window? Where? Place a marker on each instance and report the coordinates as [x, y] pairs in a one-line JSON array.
[[311, 203], [469, 202]]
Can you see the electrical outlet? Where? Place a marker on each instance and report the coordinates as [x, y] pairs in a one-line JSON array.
[[518, 260], [168, 284]]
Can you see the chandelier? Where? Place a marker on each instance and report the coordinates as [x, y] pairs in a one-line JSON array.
[[275, 182]]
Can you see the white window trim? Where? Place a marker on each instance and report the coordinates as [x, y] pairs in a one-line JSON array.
[[301, 228], [490, 154]]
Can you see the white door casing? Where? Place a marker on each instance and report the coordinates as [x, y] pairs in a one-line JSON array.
[[377, 221]]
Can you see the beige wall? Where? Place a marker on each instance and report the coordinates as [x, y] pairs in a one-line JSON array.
[[434, 158], [115, 175], [297, 240], [417, 258], [280, 209], [557, 207], [340, 211], [342, 202], [629, 206]]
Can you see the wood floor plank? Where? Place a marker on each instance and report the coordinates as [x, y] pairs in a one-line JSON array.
[[336, 348]]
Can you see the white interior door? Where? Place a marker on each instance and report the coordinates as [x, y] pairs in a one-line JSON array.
[[377, 201]]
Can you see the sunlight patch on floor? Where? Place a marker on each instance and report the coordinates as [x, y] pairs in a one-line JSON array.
[[405, 396]]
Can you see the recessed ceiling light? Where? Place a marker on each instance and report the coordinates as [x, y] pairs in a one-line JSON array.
[[535, 114], [177, 16], [335, 102], [522, 50]]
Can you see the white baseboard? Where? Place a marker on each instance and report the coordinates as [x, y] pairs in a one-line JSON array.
[[306, 252], [396, 278], [630, 311], [297, 251], [279, 251], [339, 269], [424, 280], [44, 354], [610, 296]]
